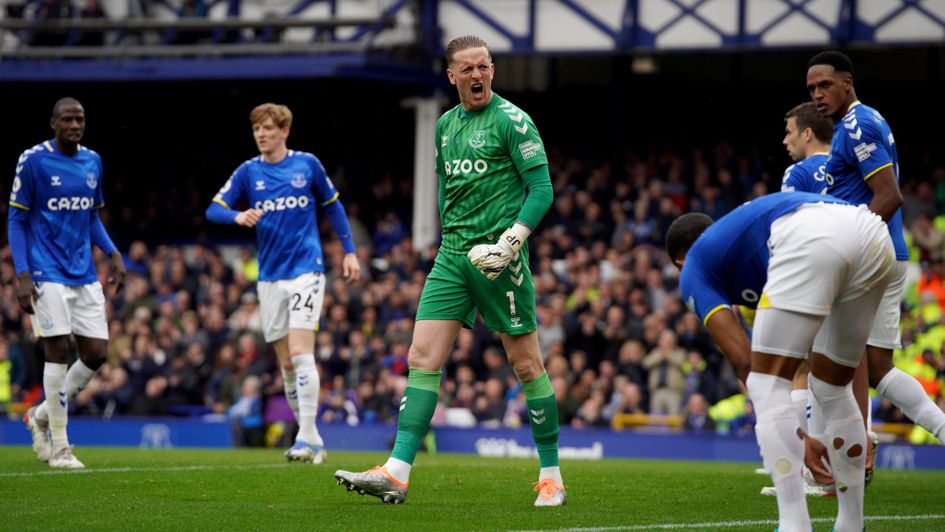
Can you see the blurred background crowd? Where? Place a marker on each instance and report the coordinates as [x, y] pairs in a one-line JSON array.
[[620, 346]]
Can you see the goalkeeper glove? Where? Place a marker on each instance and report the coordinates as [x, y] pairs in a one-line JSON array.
[[491, 259]]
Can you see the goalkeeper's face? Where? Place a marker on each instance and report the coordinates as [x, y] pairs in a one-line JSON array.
[[471, 71]]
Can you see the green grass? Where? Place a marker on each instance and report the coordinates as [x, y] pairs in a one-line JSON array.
[[256, 490]]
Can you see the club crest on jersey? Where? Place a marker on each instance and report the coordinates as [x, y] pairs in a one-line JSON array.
[[91, 180], [443, 141], [298, 180], [478, 139], [260, 185], [55, 181]]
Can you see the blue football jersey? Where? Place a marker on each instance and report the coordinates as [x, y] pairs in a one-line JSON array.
[[862, 145], [60, 192], [287, 192], [728, 264], [808, 175]]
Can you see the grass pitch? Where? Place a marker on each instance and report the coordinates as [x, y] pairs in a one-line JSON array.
[[257, 490]]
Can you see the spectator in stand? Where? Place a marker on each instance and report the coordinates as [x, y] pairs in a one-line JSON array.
[[627, 398], [666, 381], [246, 414], [928, 238], [591, 412], [931, 282], [918, 199], [696, 417]]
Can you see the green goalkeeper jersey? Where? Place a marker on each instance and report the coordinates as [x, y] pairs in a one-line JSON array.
[[480, 158]]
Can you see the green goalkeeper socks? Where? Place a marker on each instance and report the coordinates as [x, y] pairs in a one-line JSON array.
[[543, 417], [416, 411]]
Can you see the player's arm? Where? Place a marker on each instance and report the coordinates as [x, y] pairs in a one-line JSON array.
[[18, 223], [100, 238], [702, 291], [491, 260], [887, 198], [876, 167], [335, 211], [351, 268], [221, 211], [441, 195], [728, 333], [527, 153]]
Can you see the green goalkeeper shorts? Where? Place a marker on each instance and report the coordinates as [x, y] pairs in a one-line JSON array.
[[455, 289]]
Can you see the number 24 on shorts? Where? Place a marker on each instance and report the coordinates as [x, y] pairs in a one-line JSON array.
[[297, 299]]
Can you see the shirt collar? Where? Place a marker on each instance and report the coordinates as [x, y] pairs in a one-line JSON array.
[[464, 114]]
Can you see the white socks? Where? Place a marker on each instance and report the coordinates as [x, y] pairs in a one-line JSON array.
[[307, 388], [799, 402], [846, 445], [54, 375], [906, 393], [398, 469], [77, 378], [781, 448], [291, 395], [550, 472]]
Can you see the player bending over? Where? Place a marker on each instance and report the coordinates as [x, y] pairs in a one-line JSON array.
[[804, 260]]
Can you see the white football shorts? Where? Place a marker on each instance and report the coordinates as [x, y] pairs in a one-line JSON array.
[[825, 259], [885, 331], [63, 309], [291, 304], [824, 253]]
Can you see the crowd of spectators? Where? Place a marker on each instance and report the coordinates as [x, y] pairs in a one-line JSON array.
[[615, 336]]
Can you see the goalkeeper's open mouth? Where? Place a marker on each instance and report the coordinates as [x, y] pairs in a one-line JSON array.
[[478, 91]]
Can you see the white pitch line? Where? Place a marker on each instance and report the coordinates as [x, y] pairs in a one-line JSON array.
[[731, 524], [136, 470]]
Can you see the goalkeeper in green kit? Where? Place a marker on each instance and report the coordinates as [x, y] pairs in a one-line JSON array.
[[494, 190]]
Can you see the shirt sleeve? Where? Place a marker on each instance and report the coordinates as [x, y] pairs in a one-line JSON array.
[[99, 235], [21, 193], [867, 145], [437, 146], [539, 198], [787, 183], [234, 190], [522, 139], [324, 190], [99, 188], [18, 221], [701, 291]]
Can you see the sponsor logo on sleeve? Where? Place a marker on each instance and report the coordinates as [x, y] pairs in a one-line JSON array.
[[529, 149], [863, 151]]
